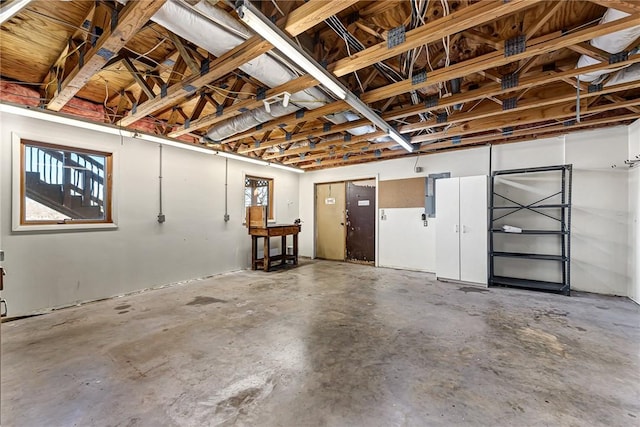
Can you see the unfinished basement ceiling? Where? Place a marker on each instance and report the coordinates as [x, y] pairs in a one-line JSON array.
[[467, 73]]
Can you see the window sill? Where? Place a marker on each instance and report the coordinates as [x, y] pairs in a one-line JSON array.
[[64, 227]]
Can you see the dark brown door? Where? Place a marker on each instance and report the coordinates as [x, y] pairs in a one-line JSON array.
[[361, 221]]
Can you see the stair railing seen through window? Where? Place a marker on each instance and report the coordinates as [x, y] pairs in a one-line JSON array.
[[61, 185]]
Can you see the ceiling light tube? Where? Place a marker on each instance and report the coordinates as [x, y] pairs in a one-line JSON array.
[[39, 114], [98, 127], [114, 130], [287, 168], [172, 143], [241, 158], [12, 9], [397, 137], [378, 121], [271, 33]]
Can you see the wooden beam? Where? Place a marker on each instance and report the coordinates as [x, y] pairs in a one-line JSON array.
[[180, 45], [538, 46], [511, 119], [528, 133], [482, 38], [340, 152], [291, 119], [551, 9], [146, 88], [312, 13], [238, 108], [233, 92], [544, 97], [630, 7], [177, 71], [221, 66], [303, 136], [489, 90], [616, 98], [535, 47], [494, 138], [586, 49], [248, 50], [461, 20], [132, 17]]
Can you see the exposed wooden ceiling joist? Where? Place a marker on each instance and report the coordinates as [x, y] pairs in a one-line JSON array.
[[129, 21], [241, 54], [461, 20], [627, 6], [534, 47]]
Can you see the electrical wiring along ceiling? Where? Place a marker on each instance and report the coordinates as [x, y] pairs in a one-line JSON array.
[[140, 80]]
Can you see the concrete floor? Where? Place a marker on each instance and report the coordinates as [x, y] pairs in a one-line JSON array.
[[326, 344]]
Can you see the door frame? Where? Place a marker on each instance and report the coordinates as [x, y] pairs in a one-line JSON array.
[[346, 179]]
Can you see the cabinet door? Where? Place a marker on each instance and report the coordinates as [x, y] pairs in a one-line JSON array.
[[447, 228], [473, 229]]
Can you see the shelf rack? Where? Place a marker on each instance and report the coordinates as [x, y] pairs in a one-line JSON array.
[[560, 211]]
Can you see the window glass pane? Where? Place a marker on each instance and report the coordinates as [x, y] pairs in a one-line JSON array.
[[63, 184], [258, 192]]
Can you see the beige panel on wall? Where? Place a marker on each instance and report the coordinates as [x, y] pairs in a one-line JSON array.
[[330, 220], [402, 193]]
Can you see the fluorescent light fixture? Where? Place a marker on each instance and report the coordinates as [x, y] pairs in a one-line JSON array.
[[256, 161], [98, 127], [114, 130], [11, 9], [242, 158], [48, 116], [287, 168], [371, 115], [172, 143], [271, 33], [397, 137]]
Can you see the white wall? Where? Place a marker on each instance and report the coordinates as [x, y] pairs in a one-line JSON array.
[[600, 202], [634, 214], [53, 269], [600, 210], [403, 241]]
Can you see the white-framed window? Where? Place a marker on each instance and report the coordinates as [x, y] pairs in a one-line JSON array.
[[58, 187], [258, 191]]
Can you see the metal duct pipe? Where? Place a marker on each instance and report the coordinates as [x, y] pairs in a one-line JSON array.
[[610, 43]]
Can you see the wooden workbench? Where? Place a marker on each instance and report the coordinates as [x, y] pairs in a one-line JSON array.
[[273, 230]]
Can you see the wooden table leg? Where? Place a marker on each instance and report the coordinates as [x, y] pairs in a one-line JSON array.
[[295, 249], [267, 249], [254, 252], [283, 244]]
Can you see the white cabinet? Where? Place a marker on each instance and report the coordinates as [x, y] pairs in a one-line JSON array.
[[461, 229]]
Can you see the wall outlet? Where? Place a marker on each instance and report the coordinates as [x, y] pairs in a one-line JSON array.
[[383, 217], [418, 169], [425, 223], [1, 255], [226, 218], [161, 218]]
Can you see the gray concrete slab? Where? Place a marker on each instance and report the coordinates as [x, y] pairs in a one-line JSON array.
[[326, 344]]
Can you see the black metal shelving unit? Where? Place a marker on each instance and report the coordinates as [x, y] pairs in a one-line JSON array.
[[555, 206]]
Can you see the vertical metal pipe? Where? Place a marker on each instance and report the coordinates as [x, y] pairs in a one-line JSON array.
[[578, 99], [161, 217], [226, 184]]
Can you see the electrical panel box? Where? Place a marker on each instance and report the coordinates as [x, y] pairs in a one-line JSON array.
[[430, 190]]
